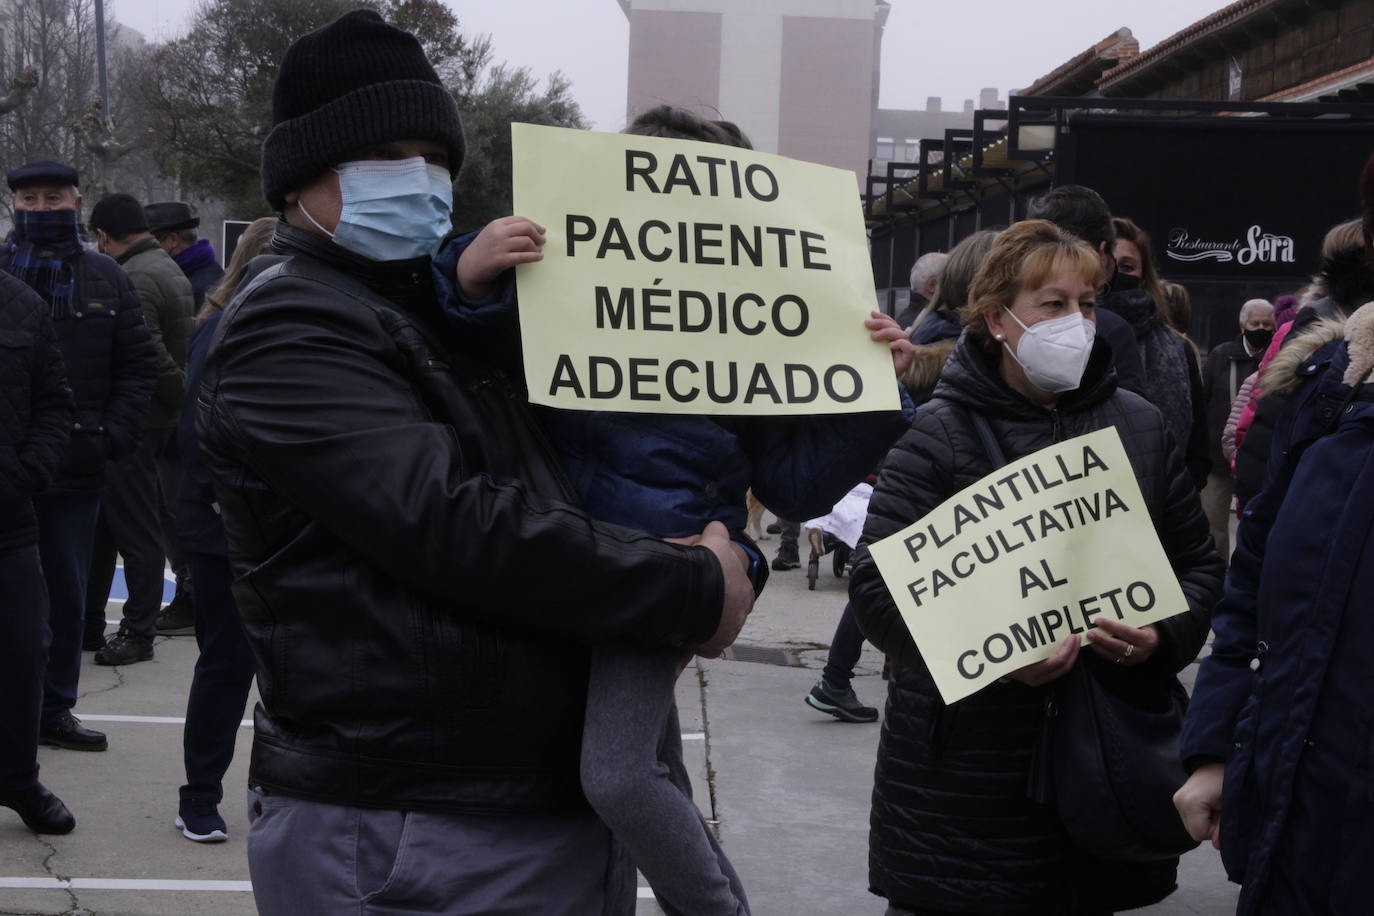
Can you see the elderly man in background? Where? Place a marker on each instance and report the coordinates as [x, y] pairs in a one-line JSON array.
[[925, 275], [136, 519], [111, 368], [174, 223], [1228, 365]]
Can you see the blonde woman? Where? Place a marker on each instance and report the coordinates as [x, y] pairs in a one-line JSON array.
[[953, 830]]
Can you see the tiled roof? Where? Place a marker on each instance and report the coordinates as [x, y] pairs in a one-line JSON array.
[[1221, 19], [1119, 46], [1336, 81]]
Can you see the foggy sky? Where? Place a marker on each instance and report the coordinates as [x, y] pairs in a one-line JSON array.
[[951, 49]]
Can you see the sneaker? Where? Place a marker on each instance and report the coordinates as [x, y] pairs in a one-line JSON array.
[[178, 618], [68, 732], [198, 820], [125, 648], [93, 640], [39, 809], [842, 704], [786, 559]]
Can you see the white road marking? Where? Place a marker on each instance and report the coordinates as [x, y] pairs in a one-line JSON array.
[[153, 720], [153, 884], [123, 884], [248, 723]]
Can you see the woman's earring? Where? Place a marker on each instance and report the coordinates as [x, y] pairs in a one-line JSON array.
[[999, 337]]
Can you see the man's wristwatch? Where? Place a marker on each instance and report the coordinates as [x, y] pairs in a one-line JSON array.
[[758, 566]]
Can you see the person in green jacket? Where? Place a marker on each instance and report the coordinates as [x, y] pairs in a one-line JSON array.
[[135, 515]]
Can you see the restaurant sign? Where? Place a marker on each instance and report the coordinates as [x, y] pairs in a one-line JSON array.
[[1256, 247]]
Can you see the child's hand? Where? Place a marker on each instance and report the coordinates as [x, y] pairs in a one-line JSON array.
[[885, 327], [502, 244]]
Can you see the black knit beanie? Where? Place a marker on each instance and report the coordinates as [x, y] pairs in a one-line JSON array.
[[351, 84], [118, 216]]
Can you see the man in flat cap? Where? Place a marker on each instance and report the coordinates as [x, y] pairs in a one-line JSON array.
[[386, 493], [136, 519], [111, 368], [174, 223]]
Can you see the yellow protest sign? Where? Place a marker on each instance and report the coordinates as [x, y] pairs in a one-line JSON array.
[[996, 576], [685, 277]]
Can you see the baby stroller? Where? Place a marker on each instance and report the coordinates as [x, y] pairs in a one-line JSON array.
[[837, 533]]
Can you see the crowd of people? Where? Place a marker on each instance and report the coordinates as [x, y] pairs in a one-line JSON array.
[[330, 444], [92, 469]]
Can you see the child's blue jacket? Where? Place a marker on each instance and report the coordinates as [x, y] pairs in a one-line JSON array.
[[671, 474]]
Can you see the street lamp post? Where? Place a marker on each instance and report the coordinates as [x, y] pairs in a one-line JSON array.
[[100, 69]]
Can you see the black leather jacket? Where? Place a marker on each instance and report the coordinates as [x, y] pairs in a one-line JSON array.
[[417, 585]]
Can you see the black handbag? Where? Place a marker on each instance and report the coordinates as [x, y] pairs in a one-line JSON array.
[[1107, 754], [1113, 753]]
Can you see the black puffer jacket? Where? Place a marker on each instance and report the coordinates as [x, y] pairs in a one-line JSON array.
[[35, 409], [111, 368], [418, 588], [952, 829]]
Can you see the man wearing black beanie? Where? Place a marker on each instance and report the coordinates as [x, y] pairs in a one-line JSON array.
[[386, 492], [136, 516]]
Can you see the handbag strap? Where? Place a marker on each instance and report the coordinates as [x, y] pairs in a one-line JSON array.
[[990, 445]]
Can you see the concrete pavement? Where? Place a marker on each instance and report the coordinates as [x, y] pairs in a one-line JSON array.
[[788, 787]]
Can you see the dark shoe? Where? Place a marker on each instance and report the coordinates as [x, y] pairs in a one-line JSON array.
[[93, 641], [178, 618], [125, 648], [843, 705], [198, 820], [774, 528], [39, 809], [786, 559], [71, 734]]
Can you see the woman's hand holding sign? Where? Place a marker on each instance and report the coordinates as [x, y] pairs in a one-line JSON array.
[[502, 244], [1052, 668], [885, 327], [1121, 644], [1111, 639]]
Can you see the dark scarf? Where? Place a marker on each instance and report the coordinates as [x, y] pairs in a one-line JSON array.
[[42, 250], [194, 257], [1164, 355]]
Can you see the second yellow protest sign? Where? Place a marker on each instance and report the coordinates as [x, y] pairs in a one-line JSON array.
[[995, 577], [686, 277]]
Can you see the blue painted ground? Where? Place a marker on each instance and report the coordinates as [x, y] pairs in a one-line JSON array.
[[119, 591]]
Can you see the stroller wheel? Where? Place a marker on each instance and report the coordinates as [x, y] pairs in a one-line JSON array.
[[813, 571], [841, 559]]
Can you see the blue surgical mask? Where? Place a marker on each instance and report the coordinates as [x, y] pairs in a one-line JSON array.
[[393, 210]]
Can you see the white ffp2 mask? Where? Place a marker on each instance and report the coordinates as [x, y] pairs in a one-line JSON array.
[[1054, 352]]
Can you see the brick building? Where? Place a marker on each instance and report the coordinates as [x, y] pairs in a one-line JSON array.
[[1259, 50]]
